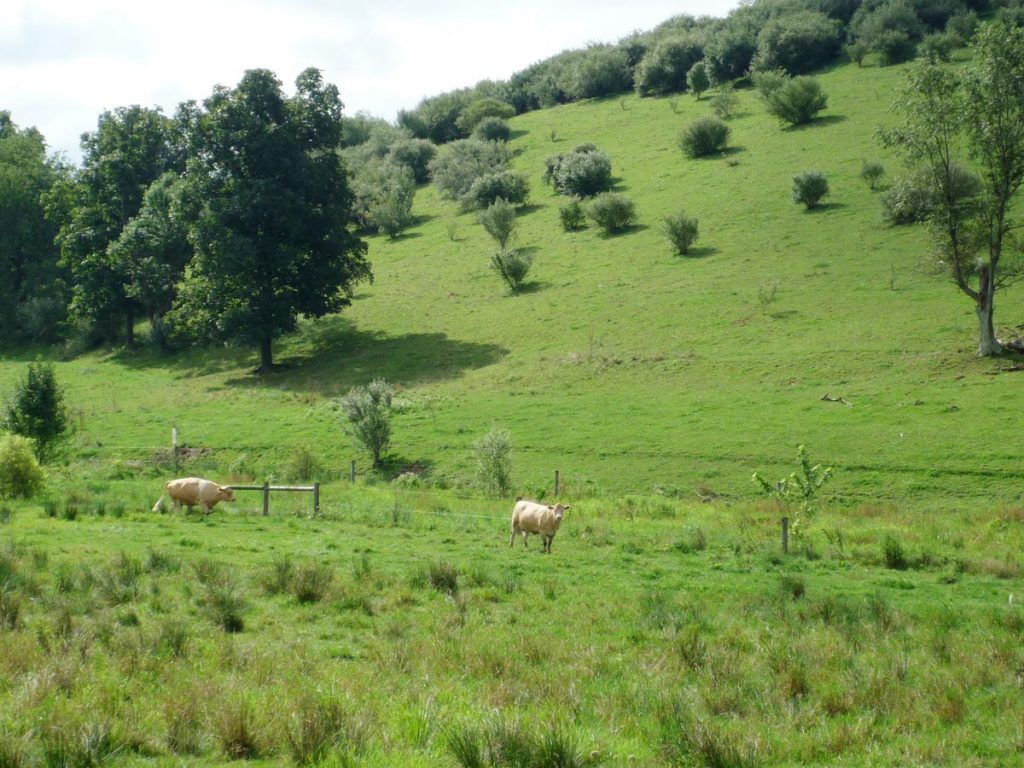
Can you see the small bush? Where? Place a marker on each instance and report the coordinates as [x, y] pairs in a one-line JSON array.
[[584, 172], [225, 605], [856, 52], [493, 454], [612, 212], [768, 81], [704, 136], [20, 473], [572, 215], [36, 410], [492, 129], [809, 188], [510, 186], [872, 172], [938, 47], [894, 46], [893, 554], [724, 102], [368, 410], [797, 101], [681, 231], [962, 25], [278, 577], [303, 465], [499, 220], [697, 79], [908, 199], [513, 266]]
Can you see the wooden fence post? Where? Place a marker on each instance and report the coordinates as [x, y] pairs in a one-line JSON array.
[[174, 448], [316, 499], [785, 535], [266, 498], [556, 482]]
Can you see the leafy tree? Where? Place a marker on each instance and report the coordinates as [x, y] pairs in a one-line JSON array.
[[153, 249], [797, 42], [510, 186], [368, 410], [481, 109], [492, 129], [272, 233], [978, 110], [129, 150], [800, 488], [704, 136], [697, 79], [681, 231], [36, 410], [499, 220], [493, 454], [584, 172], [809, 188], [798, 101], [664, 68], [20, 473], [415, 154]]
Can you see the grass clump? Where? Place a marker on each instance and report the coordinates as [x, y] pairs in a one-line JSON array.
[[311, 582], [444, 577]]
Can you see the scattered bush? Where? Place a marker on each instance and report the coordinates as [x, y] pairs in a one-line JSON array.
[[492, 129], [612, 212], [584, 172], [724, 102], [510, 186], [704, 136], [872, 172], [938, 47], [681, 231], [493, 455], [499, 220], [457, 165], [809, 188], [20, 473], [697, 79], [414, 154], [513, 266], [36, 410], [894, 47], [893, 554], [572, 215], [908, 199], [797, 101], [368, 410]]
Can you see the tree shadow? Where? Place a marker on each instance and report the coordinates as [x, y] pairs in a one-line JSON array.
[[700, 252], [392, 465], [526, 210], [631, 229], [530, 286], [824, 207], [517, 133], [817, 122], [402, 236]]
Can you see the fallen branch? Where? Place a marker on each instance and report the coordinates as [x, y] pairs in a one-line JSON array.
[[828, 398]]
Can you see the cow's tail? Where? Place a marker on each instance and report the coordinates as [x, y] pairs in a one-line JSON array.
[[159, 506]]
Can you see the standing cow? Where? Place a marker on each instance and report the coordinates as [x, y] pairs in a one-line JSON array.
[[195, 492], [530, 517]]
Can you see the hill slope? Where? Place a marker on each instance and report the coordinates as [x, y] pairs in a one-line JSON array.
[[624, 366]]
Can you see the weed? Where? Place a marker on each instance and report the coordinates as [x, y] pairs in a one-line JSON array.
[[444, 578], [311, 582], [315, 724], [225, 604], [172, 638], [118, 583], [183, 720], [767, 291], [10, 609], [237, 729], [695, 540], [792, 587], [278, 577], [893, 554]]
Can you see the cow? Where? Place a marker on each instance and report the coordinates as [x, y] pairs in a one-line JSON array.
[[195, 492], [530, 517]]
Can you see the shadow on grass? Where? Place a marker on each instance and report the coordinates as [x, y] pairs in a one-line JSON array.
[[526, 210], [817, 122], [329, 356], [517, 134], [786, 314], [822, 207], [530, 286], [631, 229], [700, 252]]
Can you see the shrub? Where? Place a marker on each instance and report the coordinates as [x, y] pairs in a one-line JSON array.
[[729, 51], [599, 71], [872, 172], [797, 42], [457, 165], [612, 212], [937, 47], [368, 410], [681, 231], [894, 46], [962, 25], [572, 215], [483, 109], [797, 101], [513, 266], [20, 473], [856, 52], [311, 582], [499, 220], [584, 172], [36, 410], [492, 129], [493, 454], [768, 81], [382, 196], [510, 186], [697, 79], [892, 552], [664, 68], [704, 136], [444, 578], [315, 725], [414, 154], [809, 188], [303, 465], [723, 103], [908, 199]]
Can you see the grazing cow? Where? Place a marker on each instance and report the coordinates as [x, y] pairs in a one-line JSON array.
[[195, 492], [530, 517]]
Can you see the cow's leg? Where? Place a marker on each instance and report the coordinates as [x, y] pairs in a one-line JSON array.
[[512, 538], [526, 535]]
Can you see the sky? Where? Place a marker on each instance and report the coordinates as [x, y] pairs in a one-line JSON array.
[[64, 62]]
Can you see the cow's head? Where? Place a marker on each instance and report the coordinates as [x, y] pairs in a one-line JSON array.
[[559, 510], [227, 493]]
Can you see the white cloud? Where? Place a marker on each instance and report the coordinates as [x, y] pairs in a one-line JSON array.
[[63, 62]]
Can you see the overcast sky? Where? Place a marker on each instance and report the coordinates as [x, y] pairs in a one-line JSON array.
[[63, 62]]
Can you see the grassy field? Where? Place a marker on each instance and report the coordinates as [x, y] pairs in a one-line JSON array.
[[400, 629]]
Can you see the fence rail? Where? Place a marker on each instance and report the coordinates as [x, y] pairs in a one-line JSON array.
[[266, 488]]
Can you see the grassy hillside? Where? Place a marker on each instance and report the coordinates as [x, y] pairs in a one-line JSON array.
[[624, 366]]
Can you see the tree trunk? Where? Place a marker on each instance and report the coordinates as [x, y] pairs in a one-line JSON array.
[[129, 328], [266, 355], [988, 345]]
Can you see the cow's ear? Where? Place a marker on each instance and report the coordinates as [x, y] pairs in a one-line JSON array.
[[567, 507], [551, 508]]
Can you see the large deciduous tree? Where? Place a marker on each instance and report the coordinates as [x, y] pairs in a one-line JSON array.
[[977, 113], [130, 148], [272, 232]]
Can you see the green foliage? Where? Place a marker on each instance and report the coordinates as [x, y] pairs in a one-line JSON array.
[[499, 220], [797, 101], [800, 488], [681, 231], [600, 70], [437, 117], [383, 193], [894, 46], [729, 51], [893, 554], [697, 79], [664, 68], [36, 410], [704, 136], [493, 456], [856, 52], [483, 109], [809, 188], [584, 172], [962, 26], [415, 154], [512, 266], [368, 409], [612, 212], [724, 102], [457, 165], [908, 199], [937, 47], [872, 171], [797, 42], [768, 81], [20, 473], [572, 216], [510, 186], [492, 129]]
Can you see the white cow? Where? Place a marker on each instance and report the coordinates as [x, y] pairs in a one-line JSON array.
[[530, 517], [195, 492]]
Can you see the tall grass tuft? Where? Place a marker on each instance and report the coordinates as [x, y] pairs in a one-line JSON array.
[[315, 725], [225, 605], [118, 583], [444, 578], [236, 729], [278, 577], [311, 582]]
